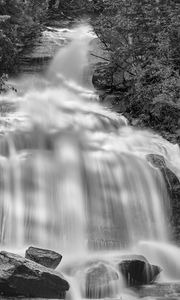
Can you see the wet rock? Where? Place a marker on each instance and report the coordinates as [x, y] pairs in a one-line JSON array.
[[22, 277], [44, 257], [131, 257], [97, 278], [169, 290], [101, 281], [117, 102], [173, 188], [138, 272]]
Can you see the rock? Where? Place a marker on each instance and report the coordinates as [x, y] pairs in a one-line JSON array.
[[115, 101], [97, 278], [103, 77], [164, 290], [44, 257], [173, 188], [101, 281], [22, 277], [130, 257], [97, 53], [138, 272]]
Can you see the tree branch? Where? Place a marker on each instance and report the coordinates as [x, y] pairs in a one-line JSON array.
[[100, 57]]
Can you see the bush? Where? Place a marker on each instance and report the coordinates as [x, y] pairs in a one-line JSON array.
[[142, 38], [20, 23]]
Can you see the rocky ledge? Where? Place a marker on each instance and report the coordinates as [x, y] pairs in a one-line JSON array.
[[160, 291]]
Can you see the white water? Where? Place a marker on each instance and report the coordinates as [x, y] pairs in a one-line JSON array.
[[74, 176]]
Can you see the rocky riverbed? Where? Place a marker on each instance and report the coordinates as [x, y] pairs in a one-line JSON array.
[[34, 277]]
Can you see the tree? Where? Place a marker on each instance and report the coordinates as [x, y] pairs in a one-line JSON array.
[[143, 40], [20, 22], [51, 3]]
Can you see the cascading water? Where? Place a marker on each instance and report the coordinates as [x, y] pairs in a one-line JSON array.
[[74, 176]]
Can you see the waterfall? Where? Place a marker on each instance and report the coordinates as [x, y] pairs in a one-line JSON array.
[[73, 175]]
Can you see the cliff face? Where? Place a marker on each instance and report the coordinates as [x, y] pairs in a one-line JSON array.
[[173, 188]]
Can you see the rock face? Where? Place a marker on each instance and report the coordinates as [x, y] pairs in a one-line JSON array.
[[159, 291], [47, 258], [22, 277], [138, 272], [173, 188]]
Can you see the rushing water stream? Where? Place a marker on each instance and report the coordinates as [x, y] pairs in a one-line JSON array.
[[74, 176]]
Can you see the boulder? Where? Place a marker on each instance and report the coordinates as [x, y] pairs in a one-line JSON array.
[[22, 277], [138, 272], [101, 281], [97, 278], [115, 101], [44, 257]]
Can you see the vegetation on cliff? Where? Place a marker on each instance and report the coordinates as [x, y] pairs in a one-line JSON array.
[[20, 23], [143, 41]]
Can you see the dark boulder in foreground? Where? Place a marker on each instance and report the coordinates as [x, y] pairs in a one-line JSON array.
[[138, 272], [44, 257], [22, 277]]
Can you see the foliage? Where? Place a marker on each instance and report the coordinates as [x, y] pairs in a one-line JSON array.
[[20, 21], [4, 87], [143, 39], [74, 6]]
